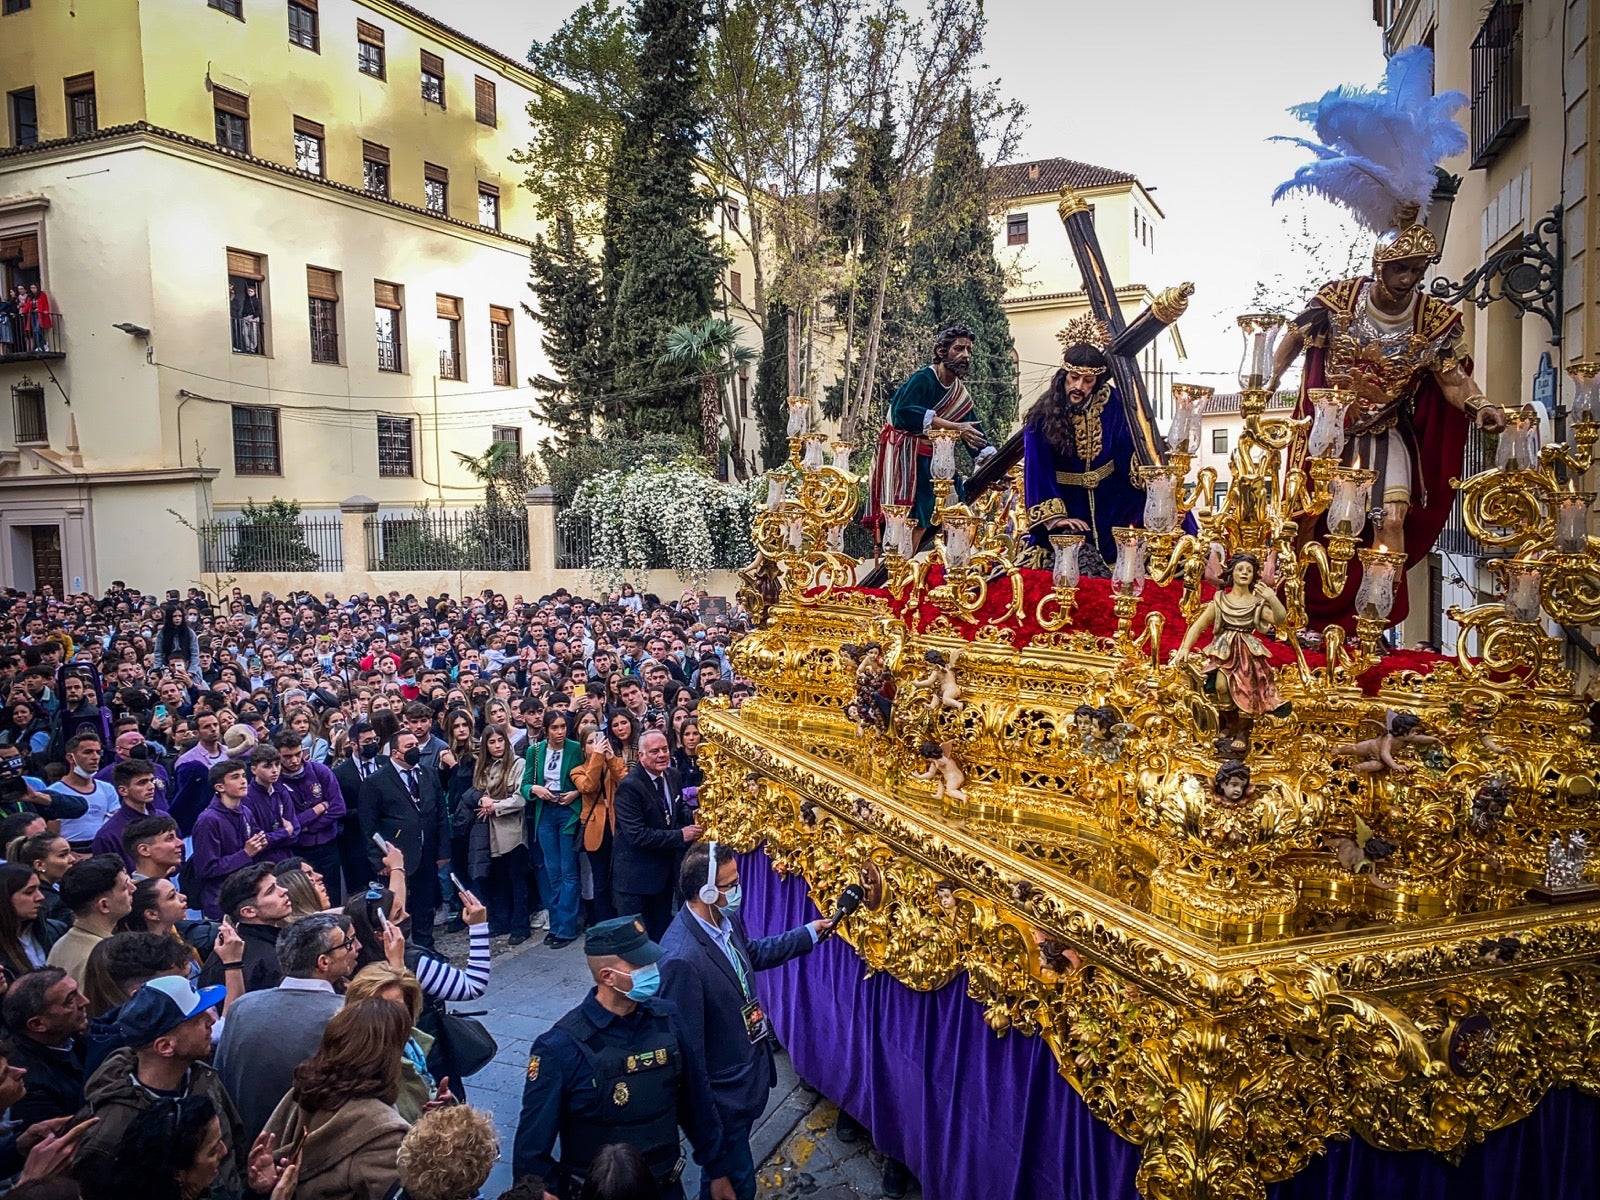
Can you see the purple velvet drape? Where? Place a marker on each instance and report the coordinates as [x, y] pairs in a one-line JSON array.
[[976, 1115]]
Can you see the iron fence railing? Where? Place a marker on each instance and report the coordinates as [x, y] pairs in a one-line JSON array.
[[575, 549], [447, 540], [1498, 111], [312, 543], [27, 342]]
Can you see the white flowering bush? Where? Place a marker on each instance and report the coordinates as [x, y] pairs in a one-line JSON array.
[[673, 515]]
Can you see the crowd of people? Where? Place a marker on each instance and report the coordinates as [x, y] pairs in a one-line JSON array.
[[25, 320], [231, 828]]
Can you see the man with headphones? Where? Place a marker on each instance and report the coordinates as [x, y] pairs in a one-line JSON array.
[[708, 969]]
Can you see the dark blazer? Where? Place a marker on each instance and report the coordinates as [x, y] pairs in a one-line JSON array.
[[418, 827], [648, 847], [348, 776], [697, 976]]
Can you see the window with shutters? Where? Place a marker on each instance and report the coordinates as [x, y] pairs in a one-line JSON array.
[[394, 447], [247, 310], [436, 189], [730, 209], [386, 299], [233, 119], [500, 345], [483, 94], [309, 144], [449, 313], [375, 168], [1017, 229], [82, 113], [23, 109], [488, 206], [322, 299], [369, 51], [511, 435], [432, 78], [255, 441], [736, 284], [234, 8], [303, 23]]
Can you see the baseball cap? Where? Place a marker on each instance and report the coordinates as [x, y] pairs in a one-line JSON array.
[[623, 937], [160, 1006]]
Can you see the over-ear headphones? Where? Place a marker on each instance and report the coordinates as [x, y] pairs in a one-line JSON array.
[[708, 890]]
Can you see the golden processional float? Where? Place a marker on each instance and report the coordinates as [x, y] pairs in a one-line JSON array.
[[1364, 914]]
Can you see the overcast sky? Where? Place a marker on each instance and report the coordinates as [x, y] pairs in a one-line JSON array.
[[1184, 93]]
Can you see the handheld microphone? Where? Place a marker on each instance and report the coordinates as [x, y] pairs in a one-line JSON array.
[[849, 900]]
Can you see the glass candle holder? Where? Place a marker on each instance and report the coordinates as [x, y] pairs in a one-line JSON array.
[[1520, 441], [777, 485], [943, 465], [1128, 577], [816, 450], [1585, 406], [794, 527], [799, 416], [1261, 332], [1065, 548], [1347, 511], [897, 529], [958, 534], [835, 538], [842, 451], [1572, 522], [1522, 591], [1328, 406], [1375, 596], [1161, 502], [1189, 402]]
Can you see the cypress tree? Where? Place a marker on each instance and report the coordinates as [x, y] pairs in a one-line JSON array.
[[667, 269], [956, 278], [772, 379], [566, 285]]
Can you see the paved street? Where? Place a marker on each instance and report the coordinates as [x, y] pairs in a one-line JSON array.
[[531, 987]]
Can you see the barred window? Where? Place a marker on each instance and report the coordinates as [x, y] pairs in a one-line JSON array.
[[500, 345], [322, 298], [255, 441], [394, 447]]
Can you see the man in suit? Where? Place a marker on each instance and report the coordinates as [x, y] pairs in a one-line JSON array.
[[401, 801], [652, 831], [708, 969], [354, 862]]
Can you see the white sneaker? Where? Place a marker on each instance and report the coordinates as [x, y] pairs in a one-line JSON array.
[[541, 919]]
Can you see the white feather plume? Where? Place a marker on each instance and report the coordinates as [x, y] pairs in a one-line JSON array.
[[1376, 149]]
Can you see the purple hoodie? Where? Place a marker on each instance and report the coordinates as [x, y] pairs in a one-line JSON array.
[[268, 811], [315, 785], [219, 837]]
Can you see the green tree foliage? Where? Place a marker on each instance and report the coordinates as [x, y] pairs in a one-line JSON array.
[[955, 277], [772, 387], [569, 306], [568, 467], [668, 267], [270, 539], [710, 351]]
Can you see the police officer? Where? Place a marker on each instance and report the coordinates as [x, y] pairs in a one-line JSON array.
[[614, 1070]]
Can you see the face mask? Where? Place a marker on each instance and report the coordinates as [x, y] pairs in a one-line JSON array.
[[646, 982], [142, 750], [735, 898], [82, 772], [412, 756], [370, 750]]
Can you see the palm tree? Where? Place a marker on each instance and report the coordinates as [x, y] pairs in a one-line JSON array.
[[712, 352]]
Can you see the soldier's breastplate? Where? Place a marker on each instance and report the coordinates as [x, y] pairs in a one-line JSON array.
[[634, 1100], [1390, 357]]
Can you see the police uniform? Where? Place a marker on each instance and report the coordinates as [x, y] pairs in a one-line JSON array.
[[595, 1078]]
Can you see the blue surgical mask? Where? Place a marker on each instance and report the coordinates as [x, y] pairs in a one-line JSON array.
[[735, 898], [646, 982]]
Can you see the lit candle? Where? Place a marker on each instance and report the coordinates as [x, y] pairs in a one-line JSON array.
[[1129, 574], [1064, 571], [1347, 511], [897, 529], [1585, 407], [1375, 596]]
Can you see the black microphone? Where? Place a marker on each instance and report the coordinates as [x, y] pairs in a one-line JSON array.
[[849, 900]]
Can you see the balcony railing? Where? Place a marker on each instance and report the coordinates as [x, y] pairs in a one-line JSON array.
[[388, 354], [28, 344], [249, 335], [1498, 113]]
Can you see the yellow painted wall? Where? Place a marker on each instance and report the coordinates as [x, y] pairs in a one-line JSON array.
[[45, 44]]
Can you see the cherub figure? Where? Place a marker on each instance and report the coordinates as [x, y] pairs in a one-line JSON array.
[[1362, 854], [942, 768], [872, 700], [1373, 755], [1231, 784], [940, 681], [1106, 735], [1489, 805]]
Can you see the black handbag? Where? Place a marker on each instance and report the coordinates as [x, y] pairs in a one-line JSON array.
[[462, 1044]]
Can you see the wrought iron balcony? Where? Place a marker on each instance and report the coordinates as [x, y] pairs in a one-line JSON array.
[[1498, 113], [34, 345]]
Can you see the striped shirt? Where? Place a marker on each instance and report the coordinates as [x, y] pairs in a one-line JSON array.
[[441, 981]]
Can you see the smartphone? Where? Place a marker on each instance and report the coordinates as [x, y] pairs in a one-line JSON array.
[[456, 879], [160, 711], [383, 846], [383, 921]]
